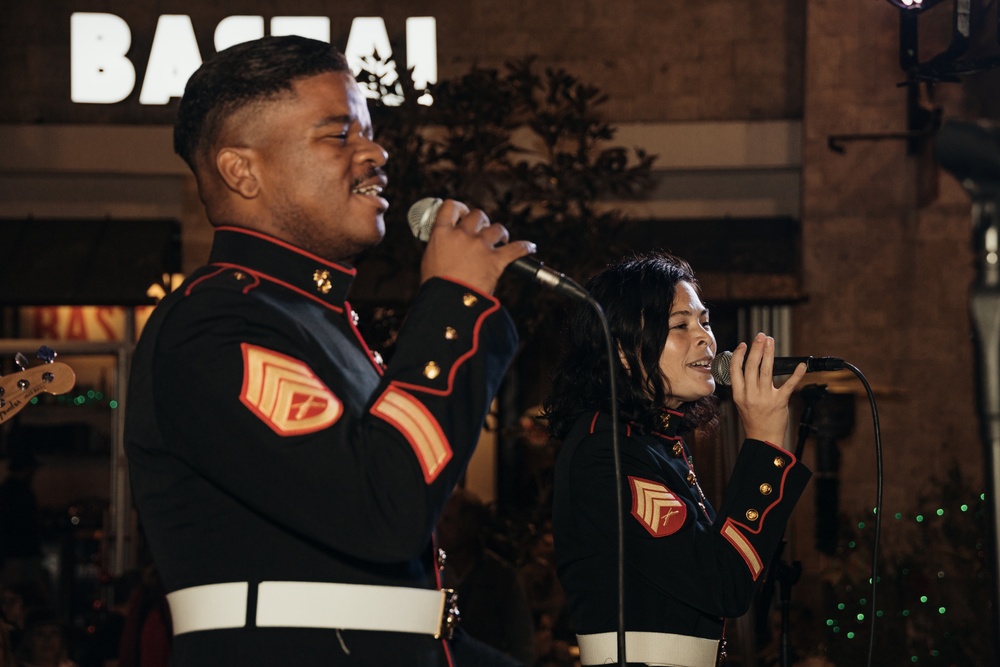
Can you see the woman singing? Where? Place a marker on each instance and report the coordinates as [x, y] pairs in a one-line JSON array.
[[688, 566]]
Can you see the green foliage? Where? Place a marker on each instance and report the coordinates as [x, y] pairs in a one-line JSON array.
[[530, 148], [934, 583]]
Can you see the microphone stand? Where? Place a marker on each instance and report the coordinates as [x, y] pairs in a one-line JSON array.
[[783, 573]]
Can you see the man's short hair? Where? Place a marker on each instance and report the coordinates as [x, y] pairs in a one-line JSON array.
[[242, 75]]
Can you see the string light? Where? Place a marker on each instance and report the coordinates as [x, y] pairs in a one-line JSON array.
[[919, 577], [90, 398]]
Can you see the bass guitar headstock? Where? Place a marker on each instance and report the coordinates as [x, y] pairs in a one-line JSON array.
[[50, 377]]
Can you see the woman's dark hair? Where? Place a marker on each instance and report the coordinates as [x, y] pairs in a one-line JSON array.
[[242, 75], [637, 295]]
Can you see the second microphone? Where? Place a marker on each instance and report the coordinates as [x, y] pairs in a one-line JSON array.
[[782, 366]]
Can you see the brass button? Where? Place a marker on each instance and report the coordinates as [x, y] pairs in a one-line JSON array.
[[766, 489], [678, 449], [378, 359], [450, 333], [355, 317], [691, 479], [431, 370], [752, 514], [779, 462], [239, 275], [470, 299]]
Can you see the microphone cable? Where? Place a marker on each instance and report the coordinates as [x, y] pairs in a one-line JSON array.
[[619, 488], [878, 503]]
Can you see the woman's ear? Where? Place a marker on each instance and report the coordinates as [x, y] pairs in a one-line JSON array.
[[621, 358]]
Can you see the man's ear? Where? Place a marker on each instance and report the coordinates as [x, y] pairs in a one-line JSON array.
[[236, 167]]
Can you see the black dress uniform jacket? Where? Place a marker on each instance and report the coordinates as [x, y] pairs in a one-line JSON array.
[[266, 442], [687, 567]]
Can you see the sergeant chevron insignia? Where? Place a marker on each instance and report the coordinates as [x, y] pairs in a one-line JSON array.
[[285, 394], [656, 507]]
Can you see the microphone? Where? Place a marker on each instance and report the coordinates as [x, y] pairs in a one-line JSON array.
[[782, 366], [421, 219]]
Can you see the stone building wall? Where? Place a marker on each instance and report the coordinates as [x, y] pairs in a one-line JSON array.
[[886, 261]]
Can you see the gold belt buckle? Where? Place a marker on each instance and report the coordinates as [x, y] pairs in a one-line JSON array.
[[450, 615]]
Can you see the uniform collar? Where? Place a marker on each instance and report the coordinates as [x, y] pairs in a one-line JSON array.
[[670, 422], [283, 263]]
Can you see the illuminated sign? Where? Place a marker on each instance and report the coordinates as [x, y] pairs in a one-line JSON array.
[[92, 324], [101, 73]]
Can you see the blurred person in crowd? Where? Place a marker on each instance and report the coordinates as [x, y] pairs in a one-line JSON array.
[[16, 601], [45, 641], [146, 635]]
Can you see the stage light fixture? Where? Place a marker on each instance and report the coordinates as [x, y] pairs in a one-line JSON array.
[[914, 5]]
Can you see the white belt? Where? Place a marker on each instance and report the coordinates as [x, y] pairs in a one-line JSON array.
[[652, 648], [307, 604]]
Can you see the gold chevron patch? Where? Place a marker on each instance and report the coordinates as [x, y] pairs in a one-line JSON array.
[[409, 416], [656, 507], [743, 546], [285, 394]]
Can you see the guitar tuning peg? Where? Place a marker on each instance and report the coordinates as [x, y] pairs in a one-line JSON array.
[[46, 354], [21, 361]]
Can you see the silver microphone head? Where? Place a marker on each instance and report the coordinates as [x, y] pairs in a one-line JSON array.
[[720, 368], [421, 217]]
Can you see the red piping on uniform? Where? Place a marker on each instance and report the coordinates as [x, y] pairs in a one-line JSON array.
[[458, 362], [190, 287], [781, 494], [361, 339], [258, 275], [488, 297], [276, 241], [593, 425]]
